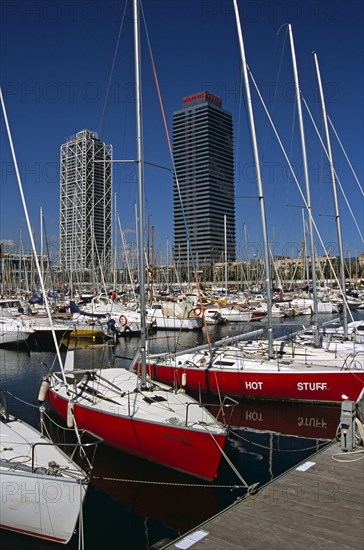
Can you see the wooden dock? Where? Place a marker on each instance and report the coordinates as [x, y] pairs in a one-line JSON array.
[[318, 505]]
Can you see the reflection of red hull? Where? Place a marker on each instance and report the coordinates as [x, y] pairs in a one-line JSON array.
[[298, 419], [190, 451], [153, 491], [303, 385], [257, 316]]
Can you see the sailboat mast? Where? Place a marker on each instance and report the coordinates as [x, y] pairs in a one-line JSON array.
[[225, 259], [140, 209], [115, 281], [25, 208], [41, 242], [259, 181], [307, 183], [336, 202]]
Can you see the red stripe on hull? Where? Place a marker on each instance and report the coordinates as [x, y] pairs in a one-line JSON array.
[[325, 387], [33, 534], [189, 451]]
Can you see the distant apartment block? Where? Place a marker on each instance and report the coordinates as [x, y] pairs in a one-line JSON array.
[[85, 203]]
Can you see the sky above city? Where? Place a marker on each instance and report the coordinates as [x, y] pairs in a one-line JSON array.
[[69, 65]]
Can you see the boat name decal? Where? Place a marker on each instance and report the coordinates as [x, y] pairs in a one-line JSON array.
[[312, 386], [254, 385], [183, 440]]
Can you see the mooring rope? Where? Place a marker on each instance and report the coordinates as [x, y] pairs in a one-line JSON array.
[[22, 400], [325, 442], [249, 488], [169, 483]]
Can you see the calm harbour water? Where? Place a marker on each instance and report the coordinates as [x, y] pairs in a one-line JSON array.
[[131, 504]]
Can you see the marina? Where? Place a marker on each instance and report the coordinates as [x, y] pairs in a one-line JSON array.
[[142, 503], [210, 395]]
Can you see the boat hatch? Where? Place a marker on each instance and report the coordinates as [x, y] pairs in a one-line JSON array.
[[154, 399], [226, 363]]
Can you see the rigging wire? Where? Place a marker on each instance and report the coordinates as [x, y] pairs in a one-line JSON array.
[[26, 213], [346, 156], [336, 176], [175, 174], [112, 71], [129, 175], [276, 81], [299, 188]]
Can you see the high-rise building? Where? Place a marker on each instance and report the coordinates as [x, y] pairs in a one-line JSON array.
[[85, 203], [204, 181]]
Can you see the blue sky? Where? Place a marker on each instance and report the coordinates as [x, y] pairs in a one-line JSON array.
[[56, 59]]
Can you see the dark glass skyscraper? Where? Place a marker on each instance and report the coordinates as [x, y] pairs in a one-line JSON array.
[[204, 180]]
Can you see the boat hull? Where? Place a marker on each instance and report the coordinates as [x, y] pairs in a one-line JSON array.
[[12, 332], [15, 337], [193, 452], [172, 323], [303, 385], [40, 506]]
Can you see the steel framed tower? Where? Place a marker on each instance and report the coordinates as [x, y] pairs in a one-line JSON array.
[[204, 163], [85, 204]]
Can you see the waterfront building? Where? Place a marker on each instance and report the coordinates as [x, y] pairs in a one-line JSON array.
[[204, 181], [85, 204]]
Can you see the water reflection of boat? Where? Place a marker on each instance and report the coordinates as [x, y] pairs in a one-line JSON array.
[[298, 419], [153, 491]]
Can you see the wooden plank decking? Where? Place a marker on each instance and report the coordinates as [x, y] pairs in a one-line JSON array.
[[319, 508]]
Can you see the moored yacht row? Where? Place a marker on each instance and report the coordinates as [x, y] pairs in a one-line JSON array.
[[107, 316]]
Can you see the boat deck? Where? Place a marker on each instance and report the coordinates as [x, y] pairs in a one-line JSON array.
[[114, 391], [319, 504], [318, 360], [22, 448]]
